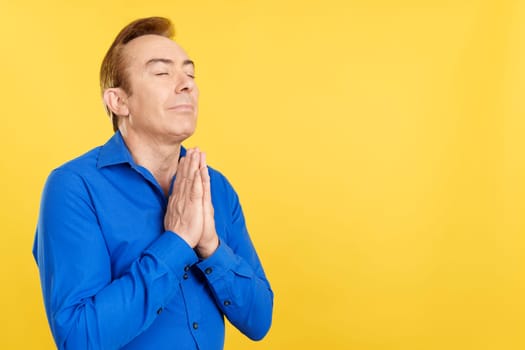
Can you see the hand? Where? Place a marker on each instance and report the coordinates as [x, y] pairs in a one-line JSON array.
[[209, 240], [185, 211]]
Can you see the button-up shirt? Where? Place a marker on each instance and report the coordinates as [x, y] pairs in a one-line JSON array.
[[113, 278]]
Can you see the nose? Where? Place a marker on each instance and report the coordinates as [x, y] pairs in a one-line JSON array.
[[184, 83]]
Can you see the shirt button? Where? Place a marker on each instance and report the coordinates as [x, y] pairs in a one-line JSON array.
[[195, 325], [227, 303], [159, 311], [208, 270], [186, 268], [185, 276]]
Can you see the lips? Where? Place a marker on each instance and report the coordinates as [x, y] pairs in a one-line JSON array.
[[182, 107]]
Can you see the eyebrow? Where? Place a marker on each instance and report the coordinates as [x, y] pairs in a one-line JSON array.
[[169, 61]]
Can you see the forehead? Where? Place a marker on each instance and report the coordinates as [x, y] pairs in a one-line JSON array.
[[142, 49]]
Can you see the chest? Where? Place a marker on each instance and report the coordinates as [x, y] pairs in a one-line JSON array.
[[131, 217]]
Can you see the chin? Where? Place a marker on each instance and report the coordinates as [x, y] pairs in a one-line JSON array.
[[182, 128], [181, 135]]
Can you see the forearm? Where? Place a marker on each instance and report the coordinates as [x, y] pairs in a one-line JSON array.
[[240, 290], [109, 316]]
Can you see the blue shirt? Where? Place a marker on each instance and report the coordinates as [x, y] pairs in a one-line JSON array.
[[113, 278]]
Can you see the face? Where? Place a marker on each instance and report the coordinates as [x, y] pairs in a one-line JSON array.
[[163, 100]]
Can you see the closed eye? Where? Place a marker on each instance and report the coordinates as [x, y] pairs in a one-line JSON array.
[[161, 73]]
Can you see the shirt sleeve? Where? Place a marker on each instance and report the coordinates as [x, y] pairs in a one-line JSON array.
[[86, 307], [236, 276]]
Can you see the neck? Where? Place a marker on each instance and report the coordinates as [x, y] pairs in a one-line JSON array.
[[161, 158]]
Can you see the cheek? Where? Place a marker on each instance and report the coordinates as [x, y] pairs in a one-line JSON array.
[[146, 103], [194, 92], [138, 106]]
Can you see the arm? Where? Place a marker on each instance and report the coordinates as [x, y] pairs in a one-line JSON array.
[[235, 274], [86, 307]]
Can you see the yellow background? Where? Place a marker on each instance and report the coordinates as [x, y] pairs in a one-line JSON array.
[[378, 148]]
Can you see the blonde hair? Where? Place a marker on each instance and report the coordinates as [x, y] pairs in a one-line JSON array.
[[113, 70]]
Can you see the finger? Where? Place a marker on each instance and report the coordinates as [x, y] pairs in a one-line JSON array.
[[202, 163], [189, 161], [182, 179], [191, 171], [184, 173], [178, 178], [196, 188], [193, 165], [171, 210], [205, 179]]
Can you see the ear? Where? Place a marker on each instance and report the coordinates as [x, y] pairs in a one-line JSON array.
[[116, 101]]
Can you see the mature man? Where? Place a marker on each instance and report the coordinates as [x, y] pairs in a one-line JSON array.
[[139, 244]]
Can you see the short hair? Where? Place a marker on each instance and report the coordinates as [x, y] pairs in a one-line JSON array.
[[113, 70]]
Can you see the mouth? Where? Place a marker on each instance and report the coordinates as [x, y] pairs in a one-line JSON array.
[[182, 107]]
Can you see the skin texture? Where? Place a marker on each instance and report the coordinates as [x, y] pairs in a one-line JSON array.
[[155, 117]]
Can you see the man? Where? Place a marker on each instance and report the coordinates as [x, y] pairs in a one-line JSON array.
[[139, 244]]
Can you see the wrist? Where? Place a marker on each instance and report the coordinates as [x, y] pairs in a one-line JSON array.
[[186, 238], [206, 249]]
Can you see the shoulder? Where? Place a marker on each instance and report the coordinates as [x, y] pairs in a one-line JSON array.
[[82, 163], [70, 176], [222, 188], [218, 179]]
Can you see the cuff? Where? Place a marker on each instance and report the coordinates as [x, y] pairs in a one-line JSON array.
[[219, 263], [174, 252]]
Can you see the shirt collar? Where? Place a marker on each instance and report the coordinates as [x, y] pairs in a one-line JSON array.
[[115, 151]]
